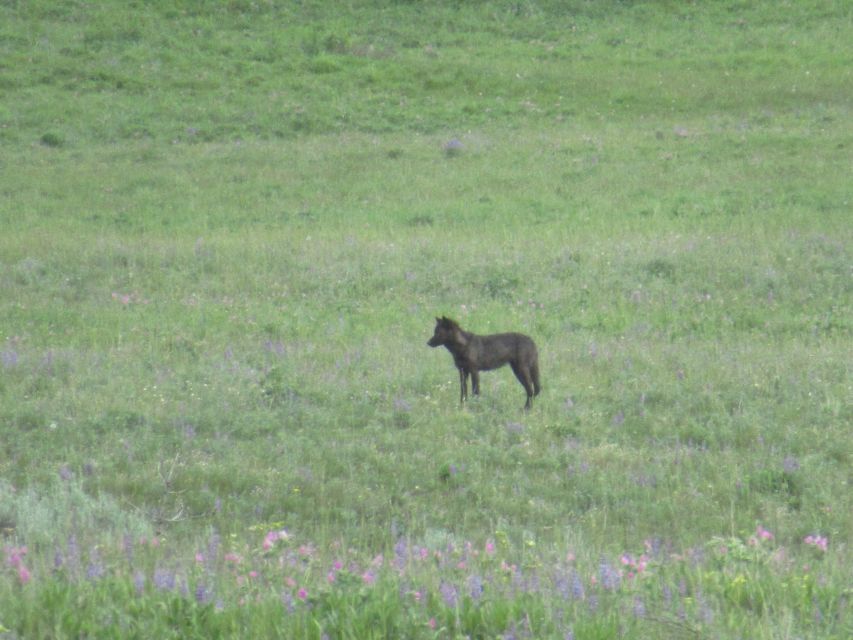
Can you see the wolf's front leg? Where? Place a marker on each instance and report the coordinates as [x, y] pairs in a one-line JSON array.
[[463, 385]]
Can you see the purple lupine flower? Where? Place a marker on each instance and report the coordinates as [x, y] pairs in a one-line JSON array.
[[73, 553], [203, 594], [449, 594], [592, 603], [212, 549], [705, 611], [164, 579], [95, 570], [667, 595], [577, 586], [475, 587], [608, 576], [287, 601], [9, 358], [561, 585], [453, 147], [139, 582], [401, 554]]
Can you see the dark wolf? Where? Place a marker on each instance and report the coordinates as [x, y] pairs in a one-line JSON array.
[[472, 354]]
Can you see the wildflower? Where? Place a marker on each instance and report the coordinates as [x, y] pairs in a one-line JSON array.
[[302, 594], [203, 595], [164, 580], [287, 601], [475, 587], [490, 547], [139, 582], [233, 558], [763, 534], [449, 594], [453, 147], [432, 624], [368, 577], [95, 570], [577, 586], [639, 607], [401, 553], [273, 536], [610, 577], [9, 358], [819, 542], [23, 574]]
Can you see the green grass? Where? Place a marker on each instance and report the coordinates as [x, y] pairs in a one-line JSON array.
[[227, 231]]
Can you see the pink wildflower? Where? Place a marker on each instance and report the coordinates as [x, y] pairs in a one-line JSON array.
[[490, 547], [302, 594], [273, 536], [23, 574], [763, 533], [253, 574], [819, 542], [432, 624]]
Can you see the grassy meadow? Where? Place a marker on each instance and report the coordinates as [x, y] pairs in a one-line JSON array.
[[227, 229]]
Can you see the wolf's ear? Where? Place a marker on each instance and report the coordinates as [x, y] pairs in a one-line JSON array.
[[437, 319]]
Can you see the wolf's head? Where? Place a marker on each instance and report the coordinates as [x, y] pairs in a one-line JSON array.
[[446, 331]]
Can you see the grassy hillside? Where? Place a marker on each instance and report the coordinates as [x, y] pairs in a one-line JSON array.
[[227, 228]]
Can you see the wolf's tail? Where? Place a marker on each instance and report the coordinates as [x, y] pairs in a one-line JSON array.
[[534, 375]]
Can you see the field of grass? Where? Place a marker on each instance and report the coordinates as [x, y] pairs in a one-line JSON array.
[[227, 229]]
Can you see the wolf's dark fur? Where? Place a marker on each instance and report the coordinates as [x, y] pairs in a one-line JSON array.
[[473, 353]]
